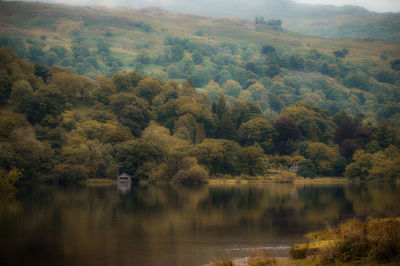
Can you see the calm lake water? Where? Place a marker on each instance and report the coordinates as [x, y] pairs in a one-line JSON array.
[[174, 225]]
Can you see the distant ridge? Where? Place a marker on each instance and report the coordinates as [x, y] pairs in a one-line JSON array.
[[323, 21]]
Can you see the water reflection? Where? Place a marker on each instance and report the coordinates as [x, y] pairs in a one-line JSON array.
[[148, 225], [124, 188]]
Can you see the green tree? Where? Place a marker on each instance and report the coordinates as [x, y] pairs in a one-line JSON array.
[[177, 52], [232, 88], [252, 161], [21, 92], [257, 130], [243, 111], [143, 57], [132, 155], [126, 82], [148, 88], [197, 56], [307, 169]]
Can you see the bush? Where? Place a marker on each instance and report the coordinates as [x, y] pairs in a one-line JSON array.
[[191, 173], [376, 240], [307, 169], [261, 258]]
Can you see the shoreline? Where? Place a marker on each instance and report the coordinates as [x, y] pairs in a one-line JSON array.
[[247, 180], [279, 180]]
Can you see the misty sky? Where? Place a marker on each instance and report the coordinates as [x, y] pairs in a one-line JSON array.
[[373, 5]]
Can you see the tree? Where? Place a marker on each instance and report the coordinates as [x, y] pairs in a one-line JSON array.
[[8, 180], [395, 64], [257, 130], [132, 111], [252, 161], [272, 70], [52, 101], [173, 72], [7, 156], [243, 111], [287, 129], [214, 90], [232, 88], [219, 156], [35, 54], [31, 155], [126, 82], [200, 76], [197, 56], [21, 92], [60, 51], [185, 128], [72, 86], [306, 169], [323, 157], [314, 123], [223, 76], [143, 58], [341, 53], [219, 107], [386, 134], [191, 173], [251, 66], [383, 165], [148, 88], [133, 154], [346, 130], [348, 147], [267, 50], [80, 51], [42, 71], [226, 127], [359, 168], [177, 52], [188, 65]]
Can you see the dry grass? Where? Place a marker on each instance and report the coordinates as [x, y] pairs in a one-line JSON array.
[[222, 262], [261, 258], [373, 241]]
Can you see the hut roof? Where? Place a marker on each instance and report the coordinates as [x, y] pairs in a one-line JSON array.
[[124, 175]]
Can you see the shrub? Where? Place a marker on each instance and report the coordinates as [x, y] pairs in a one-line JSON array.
[[222, 262], [376, 240], [261, 258]]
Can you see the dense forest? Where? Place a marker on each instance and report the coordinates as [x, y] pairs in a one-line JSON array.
[[61, 127], [94, 92]]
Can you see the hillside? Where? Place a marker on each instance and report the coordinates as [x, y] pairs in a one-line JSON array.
[[267, 65], [324, 21]]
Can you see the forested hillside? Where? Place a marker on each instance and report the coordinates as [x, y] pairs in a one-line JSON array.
[[258, 63], [180, 98], [57, 126]]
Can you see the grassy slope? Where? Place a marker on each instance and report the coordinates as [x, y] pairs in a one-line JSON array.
[[58, 22]]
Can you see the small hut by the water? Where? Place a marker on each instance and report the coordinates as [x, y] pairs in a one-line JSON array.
[[124, 178]]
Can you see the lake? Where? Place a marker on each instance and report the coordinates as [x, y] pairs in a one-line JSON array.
[[153, 225]]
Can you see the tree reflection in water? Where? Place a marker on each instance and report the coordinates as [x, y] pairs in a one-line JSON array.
[[156, 225]]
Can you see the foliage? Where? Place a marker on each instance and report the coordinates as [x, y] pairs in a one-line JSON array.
[[57, 126], [8, 180], [376, 240], [382, 165]]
